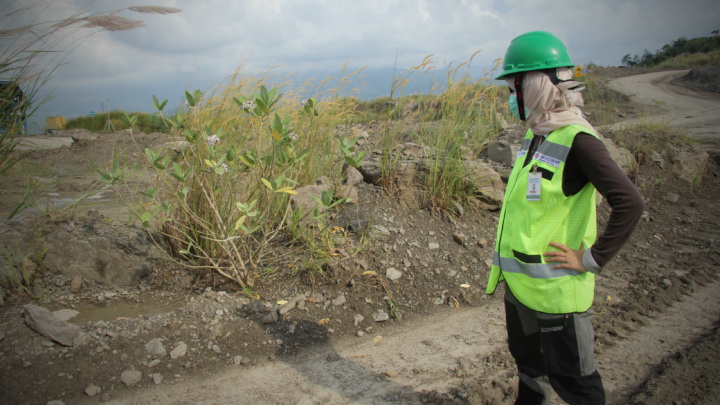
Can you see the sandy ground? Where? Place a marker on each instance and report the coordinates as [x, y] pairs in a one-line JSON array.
[[425, 355]]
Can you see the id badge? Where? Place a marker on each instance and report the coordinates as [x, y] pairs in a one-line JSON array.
[[533, 186]]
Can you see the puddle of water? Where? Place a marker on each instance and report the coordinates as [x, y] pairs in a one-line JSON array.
[[116, 310]]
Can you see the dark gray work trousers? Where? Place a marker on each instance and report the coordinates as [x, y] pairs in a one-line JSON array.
[[553, 351]]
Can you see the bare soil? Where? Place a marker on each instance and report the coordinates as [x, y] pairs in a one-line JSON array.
[[657, 303]]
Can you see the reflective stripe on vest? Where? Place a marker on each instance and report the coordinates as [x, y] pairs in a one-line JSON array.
[[534, 270]]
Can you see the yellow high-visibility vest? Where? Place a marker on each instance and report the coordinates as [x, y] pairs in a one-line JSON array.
[[528, 225]]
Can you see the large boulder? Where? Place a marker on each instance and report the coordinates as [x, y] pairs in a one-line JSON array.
[[88, 246], [689, 165], [414, 163]]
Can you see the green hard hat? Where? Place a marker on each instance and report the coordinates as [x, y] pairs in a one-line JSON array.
[[535, 50]]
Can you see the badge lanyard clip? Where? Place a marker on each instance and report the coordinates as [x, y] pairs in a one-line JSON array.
[[534, 184]]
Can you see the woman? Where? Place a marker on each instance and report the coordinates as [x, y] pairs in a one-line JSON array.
[[547, 250]]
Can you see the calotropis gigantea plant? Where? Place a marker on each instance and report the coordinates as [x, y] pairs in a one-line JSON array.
[[221, 198], [225, 194]]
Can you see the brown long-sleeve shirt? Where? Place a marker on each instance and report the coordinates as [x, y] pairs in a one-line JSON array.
[[590, 161]]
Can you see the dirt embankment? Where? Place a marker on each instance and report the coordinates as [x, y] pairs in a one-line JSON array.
[[656, 305]]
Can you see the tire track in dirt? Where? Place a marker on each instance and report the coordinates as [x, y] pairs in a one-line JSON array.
[[629, 363], [451, 352]]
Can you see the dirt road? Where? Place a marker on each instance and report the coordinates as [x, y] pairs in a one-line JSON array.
[[460, 354], [696, 112]]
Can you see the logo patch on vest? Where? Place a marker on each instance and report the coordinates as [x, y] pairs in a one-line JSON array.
[[547, 159], [521, 153]]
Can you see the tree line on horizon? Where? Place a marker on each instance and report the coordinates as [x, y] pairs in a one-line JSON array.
[[677, 47]]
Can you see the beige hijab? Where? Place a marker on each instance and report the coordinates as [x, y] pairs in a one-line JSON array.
[[549, 107]]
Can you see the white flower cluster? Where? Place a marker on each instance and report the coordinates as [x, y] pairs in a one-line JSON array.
[[224, 166], [248, 105], [293, 136], [304, 103], [213, 140]]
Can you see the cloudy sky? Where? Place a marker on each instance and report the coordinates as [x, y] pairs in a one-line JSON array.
[[209, 39]]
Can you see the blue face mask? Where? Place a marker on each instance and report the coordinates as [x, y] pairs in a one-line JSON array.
[[514, 109]]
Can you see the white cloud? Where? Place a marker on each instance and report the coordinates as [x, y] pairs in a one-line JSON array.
[[209, 39]]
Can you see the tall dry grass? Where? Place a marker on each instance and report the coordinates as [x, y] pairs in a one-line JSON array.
[[223, 197], [32, 49]]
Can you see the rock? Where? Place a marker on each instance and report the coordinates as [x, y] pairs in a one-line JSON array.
[[2, 335], [458, 209], [153, 363], [658, 159], [380, 315], [290, 305], [347, 191], [357, 319], [340, 300], [130, 377], [270, 317], [155, 347], [486, 182], [672, 197], [179, 351], [84, 136], [623, 157], [119, 255], [157, 378], [357, 225], [482, 242], [500, 151], [42, 321], [304, 202], [460, 239], [92, 390], [433, 246], [65, 314], [393, 273], [76, 284], [216, 349], [353, 176], [379, 230], [237, 360], [55, 402], [28, 268], [690, 165]]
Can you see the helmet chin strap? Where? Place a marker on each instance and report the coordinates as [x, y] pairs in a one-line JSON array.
[[520, 98]]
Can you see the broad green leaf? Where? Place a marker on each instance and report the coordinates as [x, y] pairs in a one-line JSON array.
[[240, 222], [157, 104], [145, 218], [151, 192]]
